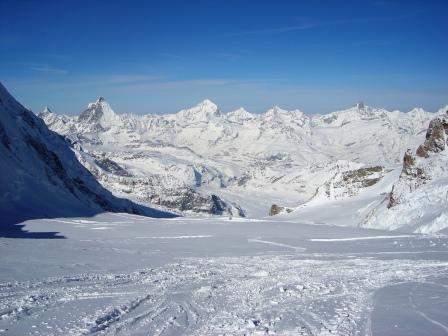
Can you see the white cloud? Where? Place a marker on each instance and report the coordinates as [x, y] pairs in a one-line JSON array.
[[49, 70]]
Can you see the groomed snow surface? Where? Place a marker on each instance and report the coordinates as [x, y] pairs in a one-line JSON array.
[[119, 274]]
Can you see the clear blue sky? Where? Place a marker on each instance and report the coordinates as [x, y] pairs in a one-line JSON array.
[[161, 56]]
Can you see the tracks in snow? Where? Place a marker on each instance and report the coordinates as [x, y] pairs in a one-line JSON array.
[[198, 296]]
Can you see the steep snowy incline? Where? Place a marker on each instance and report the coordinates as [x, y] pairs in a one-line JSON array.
[[418, 201], [41, 176], [412, 197]]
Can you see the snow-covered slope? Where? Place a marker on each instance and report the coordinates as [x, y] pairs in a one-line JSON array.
[[418, 201], [412, 197], [241, 158], [40, 175]]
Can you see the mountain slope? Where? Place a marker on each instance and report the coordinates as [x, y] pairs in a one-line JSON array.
[[418, 201], [279, 157], [41, 176]]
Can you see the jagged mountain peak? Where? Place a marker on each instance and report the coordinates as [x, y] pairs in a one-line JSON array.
[[208, 104], [275, 110], [279, 113], [419, 113], [201, 112], [99, 112], [100, 103], [47, 110], [240, 114]]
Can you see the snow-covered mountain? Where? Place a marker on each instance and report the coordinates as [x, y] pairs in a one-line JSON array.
[[41, 176], [418, 201], [194, 159]]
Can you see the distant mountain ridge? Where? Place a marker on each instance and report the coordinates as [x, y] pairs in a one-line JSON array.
[[180, 160]]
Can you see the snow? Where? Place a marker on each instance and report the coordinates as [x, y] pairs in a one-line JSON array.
[[239, 277], [41, 176], [357, 238], [250, 161], [316, 270]]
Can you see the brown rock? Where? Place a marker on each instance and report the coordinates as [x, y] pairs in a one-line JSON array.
[[435, 138], [277, 209]]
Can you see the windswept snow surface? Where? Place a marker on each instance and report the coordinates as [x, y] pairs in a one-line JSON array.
[[120, 274]]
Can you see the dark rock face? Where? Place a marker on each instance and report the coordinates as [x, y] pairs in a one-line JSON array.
[[111, 167], [92, 114], [218, 206], [41, 176], [4, 137], [52, 160], [362, 177], [411, 177], [410, 168], [413, 173], [408, 161], [436, 137], [187, 199], [277, 209]]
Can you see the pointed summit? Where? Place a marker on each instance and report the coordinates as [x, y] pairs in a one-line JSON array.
[[275, 111], [208, 106], [202, 112], [45, 113], [99, 113], [240, 115]]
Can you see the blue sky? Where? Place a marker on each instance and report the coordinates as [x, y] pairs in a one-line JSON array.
[[161, 56]]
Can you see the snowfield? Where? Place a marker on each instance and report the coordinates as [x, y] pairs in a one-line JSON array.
[[120, 274]]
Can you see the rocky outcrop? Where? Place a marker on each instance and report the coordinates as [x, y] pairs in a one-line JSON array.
[[188, 200], [416, 170], [418, 201], [277, 209], [363, 177], [349, 183], [161, 190], [412, 176], [436, 137]]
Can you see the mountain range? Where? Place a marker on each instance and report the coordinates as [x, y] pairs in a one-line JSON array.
[[362, 166], [203, 160]]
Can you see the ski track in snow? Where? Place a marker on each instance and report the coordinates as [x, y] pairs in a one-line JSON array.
[[176, 237], [224, 295], [426, 317], [296, 248], [358, 238]]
